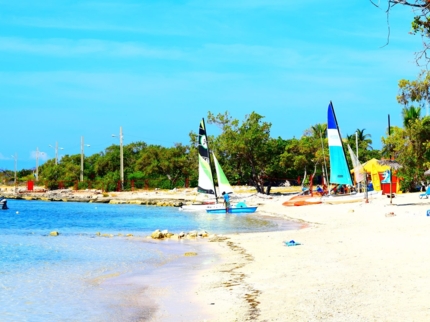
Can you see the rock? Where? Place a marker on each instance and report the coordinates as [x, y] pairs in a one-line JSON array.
[[98, 233], [192, 234], [203, 232], [54, 233], [157, 234], [168, 235], [190, 254], [129, 235], [165, 231]]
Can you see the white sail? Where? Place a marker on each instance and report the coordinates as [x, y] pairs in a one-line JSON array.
[[205, 184], [358, 168]]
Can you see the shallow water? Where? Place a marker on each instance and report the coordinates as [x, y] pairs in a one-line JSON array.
[[62, 278]]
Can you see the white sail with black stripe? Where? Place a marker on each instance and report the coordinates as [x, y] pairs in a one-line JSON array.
[[206, 182]]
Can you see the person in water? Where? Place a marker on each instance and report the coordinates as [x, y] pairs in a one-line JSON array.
[[226, 201]]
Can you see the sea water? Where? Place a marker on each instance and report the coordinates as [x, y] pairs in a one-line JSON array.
[[62, 278]]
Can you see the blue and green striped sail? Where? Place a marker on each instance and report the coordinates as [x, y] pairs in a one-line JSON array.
[[339, 171]]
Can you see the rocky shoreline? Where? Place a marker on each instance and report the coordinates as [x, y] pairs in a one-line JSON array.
[[95, 196], [159, 198]]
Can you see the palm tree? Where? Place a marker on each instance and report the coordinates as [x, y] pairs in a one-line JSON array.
[[410, 114], [319, 130], [364, 140]]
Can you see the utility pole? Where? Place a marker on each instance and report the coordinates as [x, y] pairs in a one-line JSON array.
[[16, 161], [37, 164], [121, 157], [56, 151], [82, 158]]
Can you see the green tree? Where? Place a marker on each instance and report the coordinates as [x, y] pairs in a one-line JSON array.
[[308, 154], [244, 148], [415, 91], [410, 115], [410, 147], [365, 149]]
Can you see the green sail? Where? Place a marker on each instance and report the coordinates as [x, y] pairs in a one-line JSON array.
[[223, 184]]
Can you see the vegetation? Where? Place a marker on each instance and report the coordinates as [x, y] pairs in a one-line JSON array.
[[249, 155]]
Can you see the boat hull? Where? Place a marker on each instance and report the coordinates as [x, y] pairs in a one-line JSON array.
[[3, 204], [233, 210], [302, 201]]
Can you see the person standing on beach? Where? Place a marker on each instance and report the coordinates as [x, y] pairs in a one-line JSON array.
[[226, 201]]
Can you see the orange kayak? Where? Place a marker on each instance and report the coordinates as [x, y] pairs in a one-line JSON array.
[[303, 201]]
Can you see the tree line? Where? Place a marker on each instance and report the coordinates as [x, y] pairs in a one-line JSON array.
[[247, 152]]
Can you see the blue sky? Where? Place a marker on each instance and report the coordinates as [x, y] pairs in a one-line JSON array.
[[84, 68]]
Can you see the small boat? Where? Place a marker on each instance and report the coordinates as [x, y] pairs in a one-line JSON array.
[[303, 200], [206, 182], [232, 210], [196, 207], [3, 203]]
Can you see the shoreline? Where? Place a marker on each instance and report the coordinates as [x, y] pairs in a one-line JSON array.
[[356, 262]]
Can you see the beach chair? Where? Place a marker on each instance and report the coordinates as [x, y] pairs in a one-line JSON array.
[[426, 194]]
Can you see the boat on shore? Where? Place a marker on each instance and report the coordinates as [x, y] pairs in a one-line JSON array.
[[206, 182], [303, 200], [3, 203], [232, 210]]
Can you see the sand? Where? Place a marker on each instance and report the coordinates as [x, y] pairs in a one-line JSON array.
[[357, 262]]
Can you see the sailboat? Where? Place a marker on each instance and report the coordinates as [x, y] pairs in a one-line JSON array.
[[206, 181], [3, 203], [340, 174]]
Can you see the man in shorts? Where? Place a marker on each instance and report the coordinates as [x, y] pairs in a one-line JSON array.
[[226, 201]]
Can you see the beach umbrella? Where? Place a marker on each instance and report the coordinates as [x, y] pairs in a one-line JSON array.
[[394, 165]]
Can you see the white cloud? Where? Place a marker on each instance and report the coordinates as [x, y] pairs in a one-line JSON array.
[[66, 47]]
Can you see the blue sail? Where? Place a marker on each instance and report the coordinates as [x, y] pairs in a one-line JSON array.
[[339, 171]]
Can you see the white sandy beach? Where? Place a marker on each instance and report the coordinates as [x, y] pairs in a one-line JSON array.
[[357, 262]]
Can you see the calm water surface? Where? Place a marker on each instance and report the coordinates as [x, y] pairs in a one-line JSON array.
[[61, 278]]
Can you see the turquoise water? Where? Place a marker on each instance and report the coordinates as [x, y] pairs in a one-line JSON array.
[[44, 277]]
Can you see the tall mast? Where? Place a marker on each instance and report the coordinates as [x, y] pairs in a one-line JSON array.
[[209, 159]]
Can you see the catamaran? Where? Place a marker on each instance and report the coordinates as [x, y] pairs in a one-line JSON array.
[[340, 174], [206, 182]]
